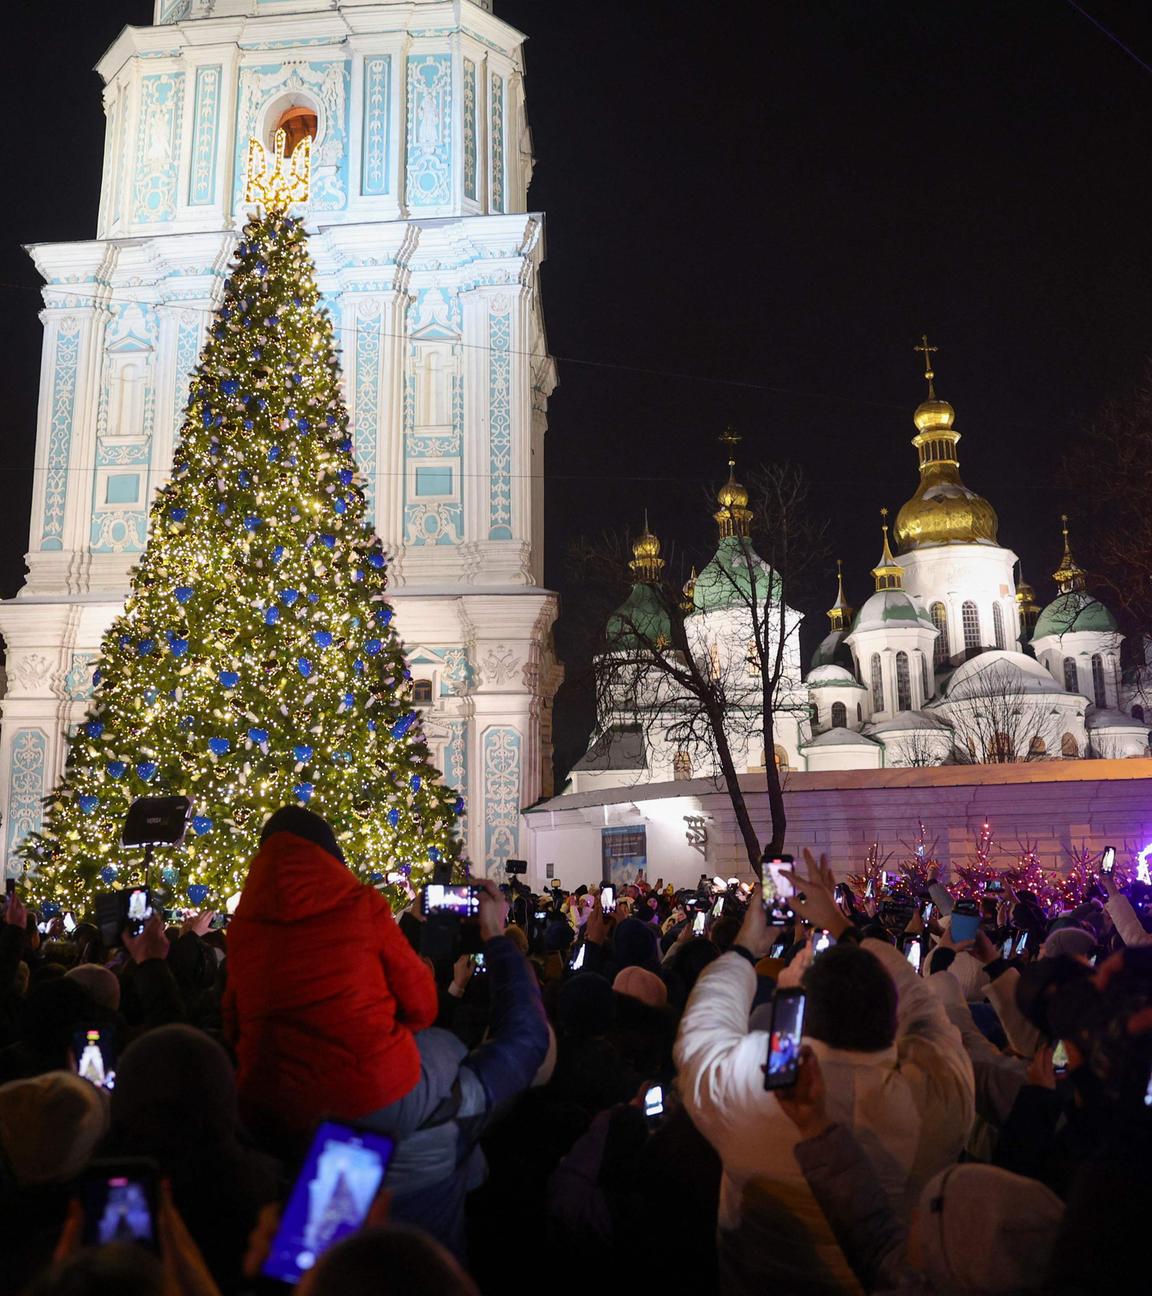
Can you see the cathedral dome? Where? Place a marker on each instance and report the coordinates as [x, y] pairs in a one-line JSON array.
[[736, 577], [933, 413], [640, 621], [1073, 612], [887, 608], [832, 676], [998, 671]]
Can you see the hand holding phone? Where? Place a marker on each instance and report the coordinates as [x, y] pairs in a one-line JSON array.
[[461, 900], [120, 1202], [698, 924]]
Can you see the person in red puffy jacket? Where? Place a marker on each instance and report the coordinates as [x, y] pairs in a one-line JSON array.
[[324, 992]]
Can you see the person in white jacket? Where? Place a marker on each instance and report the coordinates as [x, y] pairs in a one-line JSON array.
[[1123, 916], [903, 1084]]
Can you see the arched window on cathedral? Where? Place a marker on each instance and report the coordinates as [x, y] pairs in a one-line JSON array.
[[998, 625], [839, 715], [859, 713], [1001, 750], [903, 683], [781, 758], [970, 619], [1138, 713], [1037, 748], [926, 677], [682, 765], [1069, 747], [298, 123], [939, 615], [877, 684], [1071, 676], [1098, 690]]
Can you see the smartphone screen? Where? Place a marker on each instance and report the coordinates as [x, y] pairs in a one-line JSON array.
[[929, 910], [654, 1104], [821, 941], [342, 1174], [870, 889], [718, 908], [965, 923], [993, 886], [119, 1201], [607, 899], [460, 900], [138, 909], [774, 886], [478, 963], [784, 1039], [94, 1055], [778, 950], [578, 961], [913, 951], [1108, 859], [1060, 1058], [1006, 949], [698, 924], [1022, 942]]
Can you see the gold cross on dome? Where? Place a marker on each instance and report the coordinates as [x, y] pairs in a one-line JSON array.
[[928, 352], [279, 181], [731, 438]]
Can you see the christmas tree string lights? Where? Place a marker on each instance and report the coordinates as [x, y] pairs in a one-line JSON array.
[[255, 663]]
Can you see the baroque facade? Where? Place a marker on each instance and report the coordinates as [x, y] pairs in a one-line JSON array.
[[950, 660], [428, 258]]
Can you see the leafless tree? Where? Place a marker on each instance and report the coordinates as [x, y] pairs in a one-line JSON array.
[[655, 670], [996, 721]]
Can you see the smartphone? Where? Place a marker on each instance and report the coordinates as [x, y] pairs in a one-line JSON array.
[[219, 921], [1021, 943], [821, 941], [1060, 1059], [119, 1201], [341, 1177], [69, 924], [654, 1104], [994, 886], [773, 885], [478, 963], [607, 899], [462, 900], [94, 1056], [541, 915], [578, 960], [913, 951], [965, 921], [929, 910], [778, 950], [137, 909], [698, 924], [1006, 949], [718, 908], [1108, 860], [870, 889], [784, 1039]]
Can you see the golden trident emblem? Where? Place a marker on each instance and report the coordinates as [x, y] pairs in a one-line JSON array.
[[278, 182]]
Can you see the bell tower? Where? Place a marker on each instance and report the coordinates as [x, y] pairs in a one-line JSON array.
[[429, 261]]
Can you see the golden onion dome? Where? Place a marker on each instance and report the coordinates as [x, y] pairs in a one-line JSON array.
[[933, 413], [732, 494], [943, 511], [646, 562], [647, 546]]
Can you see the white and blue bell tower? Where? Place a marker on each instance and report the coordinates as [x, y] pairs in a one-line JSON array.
[[429, 260]]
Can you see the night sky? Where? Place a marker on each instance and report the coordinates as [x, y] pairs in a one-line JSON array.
[[753, 213]]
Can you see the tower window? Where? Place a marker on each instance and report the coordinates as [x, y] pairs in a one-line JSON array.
[[1069, 747], [939, 617], [1138, 713], [998, 625], [422, 692], [1071, 675], [298, 123], [839, 715], [682, 765], [1098, 689], [926, 677], [877, 684], [970, 619], [903, 683]]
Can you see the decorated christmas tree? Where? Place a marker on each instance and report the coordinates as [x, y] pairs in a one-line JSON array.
[[255, 663]]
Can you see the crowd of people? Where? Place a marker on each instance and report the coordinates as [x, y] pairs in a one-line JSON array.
[[497, 1090]]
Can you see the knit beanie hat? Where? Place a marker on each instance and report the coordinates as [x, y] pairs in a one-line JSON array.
[[1073, 942], [99, 984], [642, 985], [984, 1230], [302, 823], [50, 1125]]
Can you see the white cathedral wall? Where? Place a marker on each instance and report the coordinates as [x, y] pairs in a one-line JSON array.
[[440, 329], [956, 574], [1080, 647]]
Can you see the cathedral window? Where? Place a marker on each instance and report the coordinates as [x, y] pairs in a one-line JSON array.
[[1071, 676], [682, 765], [998, 625], [1098, 690], [1002, 749], [926, 678], [1037, 748], [1069, 747], [839, 715], [903, 683], [1138, 713], [970, 619], [781, 757], [422, 692], [298, 123], [939, 616], [877, 684], [859, 713]]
